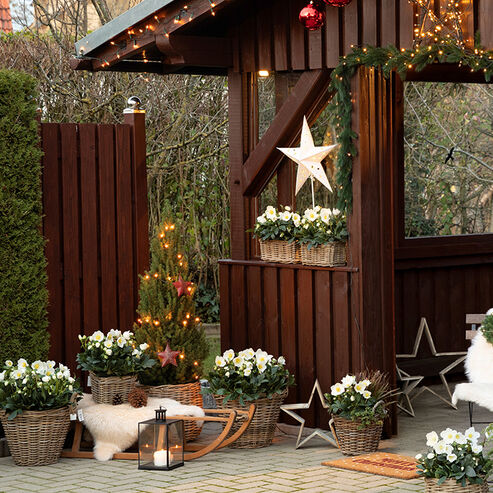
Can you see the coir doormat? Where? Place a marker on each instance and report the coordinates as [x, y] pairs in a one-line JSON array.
[[381, 463]]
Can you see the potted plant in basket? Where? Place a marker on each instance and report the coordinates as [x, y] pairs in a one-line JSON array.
[[239, 379], [277, 232], [358, 405], [454, 462], [113, 362], [323, 236], [34, 409]]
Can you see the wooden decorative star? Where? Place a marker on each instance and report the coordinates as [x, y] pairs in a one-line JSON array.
[[309, 159], [168, 357], [290, 408]]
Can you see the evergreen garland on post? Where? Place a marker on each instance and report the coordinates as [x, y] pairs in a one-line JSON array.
[[387, 59], [167, 313], [23, 293]]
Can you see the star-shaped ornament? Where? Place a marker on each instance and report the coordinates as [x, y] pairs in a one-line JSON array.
[[290, 408], [309, 159], [182, 286], [168, 357]]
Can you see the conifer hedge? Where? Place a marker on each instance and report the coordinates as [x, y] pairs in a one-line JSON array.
[[23, 292]]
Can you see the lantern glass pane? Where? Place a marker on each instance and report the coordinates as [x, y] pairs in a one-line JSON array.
[[175, 442]]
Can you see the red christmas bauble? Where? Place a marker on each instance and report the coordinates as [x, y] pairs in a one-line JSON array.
[[337, 3], [312, 17]]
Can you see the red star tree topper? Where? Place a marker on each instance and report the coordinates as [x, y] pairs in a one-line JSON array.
[[167, 356], [182, 286]]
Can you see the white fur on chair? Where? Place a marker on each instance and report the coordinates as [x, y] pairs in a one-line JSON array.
[[479, 360], [114, 428], [479, 393]]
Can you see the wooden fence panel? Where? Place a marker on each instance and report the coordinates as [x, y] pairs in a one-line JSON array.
[[89, 192]]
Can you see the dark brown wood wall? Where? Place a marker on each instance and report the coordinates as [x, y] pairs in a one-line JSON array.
[[270, 37], [95, 224], [305, 314]]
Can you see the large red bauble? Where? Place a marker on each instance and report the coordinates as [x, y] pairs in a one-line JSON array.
[[337, 3], [312, 17]]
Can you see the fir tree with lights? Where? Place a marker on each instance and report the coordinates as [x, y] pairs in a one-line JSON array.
[[166, 311]]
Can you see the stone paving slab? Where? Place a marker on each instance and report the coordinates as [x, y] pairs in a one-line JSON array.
[[277, 469]]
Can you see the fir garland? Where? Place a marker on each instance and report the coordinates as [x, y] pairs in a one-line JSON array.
[[387, 59]]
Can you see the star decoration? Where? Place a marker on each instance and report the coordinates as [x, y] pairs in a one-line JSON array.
[[182, 286], [409, 383], [424, 329], [168, 357], [290, 408], [309, 158]]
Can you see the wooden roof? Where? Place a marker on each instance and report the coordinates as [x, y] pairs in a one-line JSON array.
[[212, 36], [5, 17]]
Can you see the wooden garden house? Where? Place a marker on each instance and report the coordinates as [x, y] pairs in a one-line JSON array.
[[325, 321]]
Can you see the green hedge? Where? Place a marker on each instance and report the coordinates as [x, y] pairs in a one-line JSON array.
[[23, 293]]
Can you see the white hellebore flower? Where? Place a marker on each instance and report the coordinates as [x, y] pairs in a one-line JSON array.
[[238, 361], [281, 360], [477, 449], [46, 379], [287, 208], [127, 334], [418, 456], [98, 336], [430, 456], [2, 376], [220, 361], [336, 212], [348, 380], [121, 341], [262, 357], [448, 435], [227, 373], [261, 220], [431, 439], [261, 367], [247, 372], [143, 346], [451, 457], [21, 364], [229, 355], [337, 389], [286, 216], [360, 387], [270, 212], [37, 365], [366, 394], [352, 399], [471, 434], [8, 363], [108, 352], [440, 447], [460, 438], [296, 219], [108, 343], [17, 374], [311, 215]]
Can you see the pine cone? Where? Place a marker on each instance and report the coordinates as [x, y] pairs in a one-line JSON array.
[[117, 399], [137, 398]]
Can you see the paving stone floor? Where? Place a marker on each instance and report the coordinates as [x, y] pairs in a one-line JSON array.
[[279, 468]]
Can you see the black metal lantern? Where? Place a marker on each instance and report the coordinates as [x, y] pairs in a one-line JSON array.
[[161, 442]]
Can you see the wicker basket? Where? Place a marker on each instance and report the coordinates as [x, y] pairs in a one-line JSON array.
[[188, 394], [261, 431], [452, 485], [328, 255], [355, 441], [36, 438], [104, 389], [280, 251]]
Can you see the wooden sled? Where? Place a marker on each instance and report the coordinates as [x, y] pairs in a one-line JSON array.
[[192, 451]]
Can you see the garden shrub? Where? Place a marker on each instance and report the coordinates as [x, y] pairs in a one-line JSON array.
[[23, 292]]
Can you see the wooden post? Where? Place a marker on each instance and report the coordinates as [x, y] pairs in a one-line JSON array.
[[135, 117]]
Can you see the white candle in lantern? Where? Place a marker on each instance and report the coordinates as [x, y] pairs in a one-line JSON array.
[[160, 458], [175, 453]]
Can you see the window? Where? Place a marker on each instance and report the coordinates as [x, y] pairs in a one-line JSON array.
[[448, 159]]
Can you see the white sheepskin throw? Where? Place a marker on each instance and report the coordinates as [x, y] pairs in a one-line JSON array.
[[479, 360], [114, 428], [479, 393]]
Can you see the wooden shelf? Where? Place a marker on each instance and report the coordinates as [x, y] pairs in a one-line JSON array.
[[261, 263]]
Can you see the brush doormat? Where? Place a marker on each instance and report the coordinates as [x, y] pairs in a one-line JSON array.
[[381, 463]]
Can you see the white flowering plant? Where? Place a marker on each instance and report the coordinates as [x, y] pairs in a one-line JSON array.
[[38, 386], [277, 225], [320, 226], [363, 398], [114, 354], [455, 455], [248, 375]]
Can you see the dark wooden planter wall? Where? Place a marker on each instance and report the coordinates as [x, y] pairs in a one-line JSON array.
[[95, 224]]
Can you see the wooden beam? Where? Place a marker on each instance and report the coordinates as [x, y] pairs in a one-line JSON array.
[[146, 33], [284, 130], [198, 51]]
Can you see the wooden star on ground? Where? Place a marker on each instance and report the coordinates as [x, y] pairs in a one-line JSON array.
[[168, 357], [309, 159], [290, 408]]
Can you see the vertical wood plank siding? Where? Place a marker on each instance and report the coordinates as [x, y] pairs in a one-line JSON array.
[[89, 192], [269, 36], [298, 312]]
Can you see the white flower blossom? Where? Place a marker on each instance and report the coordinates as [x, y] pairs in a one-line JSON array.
[[281, 360], [121, 341], [247, 372], [238, 361], [418, 456], [348, 380], [261, 367], [477, 449], [229, 355], [98, 336], [431, 439], [220, 361], [8, 363], [143, 346], [261, 220], [21, 364], [430, 456], [337, 389], [471, 434], [451, 457], [366, 394], [448, 435]]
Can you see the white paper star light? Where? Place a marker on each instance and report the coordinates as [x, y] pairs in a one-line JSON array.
[[309, 158]]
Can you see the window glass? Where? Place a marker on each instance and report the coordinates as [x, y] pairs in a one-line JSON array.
[[448, 159]]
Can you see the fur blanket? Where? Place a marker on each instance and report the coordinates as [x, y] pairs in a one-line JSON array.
[[479, 393], [479, 360], [114, 428]]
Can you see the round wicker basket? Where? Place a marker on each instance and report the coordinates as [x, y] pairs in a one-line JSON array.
[[355, 441], [36, 438], [261, 431], [329, 255], [104, 389], [188, 394], [451, 485]]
